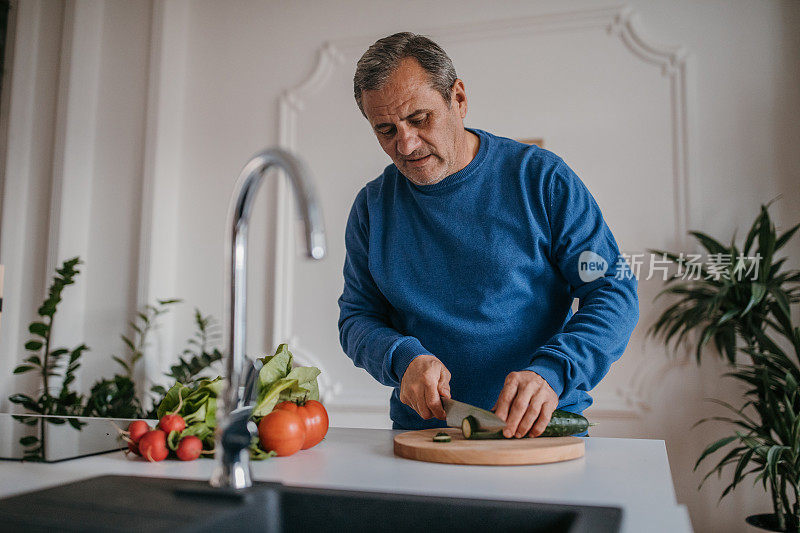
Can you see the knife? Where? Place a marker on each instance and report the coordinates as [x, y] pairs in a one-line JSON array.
[[458, 411]]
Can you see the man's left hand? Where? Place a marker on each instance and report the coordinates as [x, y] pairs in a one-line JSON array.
[[526, 403]]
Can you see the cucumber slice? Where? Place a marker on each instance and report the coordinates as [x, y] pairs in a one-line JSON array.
[[469, 426], [442, 437], [471, 430]]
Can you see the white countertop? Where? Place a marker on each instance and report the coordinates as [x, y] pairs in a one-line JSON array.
[[629, 473]]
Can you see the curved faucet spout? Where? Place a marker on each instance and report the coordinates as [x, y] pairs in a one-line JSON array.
[[233, 460]]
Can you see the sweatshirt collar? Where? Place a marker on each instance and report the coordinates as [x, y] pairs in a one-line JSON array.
[[463, 174]]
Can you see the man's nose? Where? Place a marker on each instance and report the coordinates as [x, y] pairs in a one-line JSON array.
[[407, 141]]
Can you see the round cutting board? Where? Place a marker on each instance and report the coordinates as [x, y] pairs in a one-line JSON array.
[[419, 445]]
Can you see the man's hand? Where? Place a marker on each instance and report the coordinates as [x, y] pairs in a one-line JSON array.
[[526, 403], [425, 380]]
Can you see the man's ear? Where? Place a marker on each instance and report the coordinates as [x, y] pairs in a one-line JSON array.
[[458, 97]]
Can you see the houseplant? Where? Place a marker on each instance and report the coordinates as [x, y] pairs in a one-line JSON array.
[[56, 368], [50, 363], [741, 300]]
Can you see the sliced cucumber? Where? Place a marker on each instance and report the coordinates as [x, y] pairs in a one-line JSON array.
[[442, 437], [471, 430], [469, 426]]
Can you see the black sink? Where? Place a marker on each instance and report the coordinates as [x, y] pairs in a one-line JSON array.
[[130, 503]]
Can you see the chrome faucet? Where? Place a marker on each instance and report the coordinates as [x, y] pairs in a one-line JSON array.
[[235, 403]]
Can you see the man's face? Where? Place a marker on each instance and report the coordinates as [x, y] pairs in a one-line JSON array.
[[415, 126]]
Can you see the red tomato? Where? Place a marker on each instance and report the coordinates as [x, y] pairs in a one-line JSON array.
[[282, 432], [314, 417]]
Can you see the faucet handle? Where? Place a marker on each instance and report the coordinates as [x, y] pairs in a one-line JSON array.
[[250, 391], [238, 431]]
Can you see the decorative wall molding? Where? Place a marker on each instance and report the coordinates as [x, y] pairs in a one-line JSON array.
[[627, 26], [74, 156], [159, 220], [33, 41], [290, 104], [617, 21]]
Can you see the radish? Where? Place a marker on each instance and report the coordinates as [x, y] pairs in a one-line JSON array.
[[171, 423], [153, 445], [134, 448], [136, 429], [189, 448]]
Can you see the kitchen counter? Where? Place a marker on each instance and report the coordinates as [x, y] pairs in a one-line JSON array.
[[629, 473]]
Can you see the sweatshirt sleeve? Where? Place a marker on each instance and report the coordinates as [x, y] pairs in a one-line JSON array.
[[365, 330], [586, 254]]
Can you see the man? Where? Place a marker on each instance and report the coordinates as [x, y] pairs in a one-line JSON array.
[[464, 256]]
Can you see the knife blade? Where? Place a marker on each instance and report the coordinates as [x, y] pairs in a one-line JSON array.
[[458, 411]]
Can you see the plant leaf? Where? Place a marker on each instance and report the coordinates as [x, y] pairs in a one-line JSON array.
[[714, 447]]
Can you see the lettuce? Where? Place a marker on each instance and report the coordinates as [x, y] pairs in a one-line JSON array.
[[278, 381]]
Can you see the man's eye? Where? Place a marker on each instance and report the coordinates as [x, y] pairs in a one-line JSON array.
[[386, 131], [418, 120]]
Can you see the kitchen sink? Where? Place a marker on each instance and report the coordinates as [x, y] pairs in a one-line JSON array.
[[131, 503]]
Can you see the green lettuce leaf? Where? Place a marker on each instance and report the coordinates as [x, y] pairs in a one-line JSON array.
[[200, 430], [306, 377], [275, 366], [272, 395], [172, 399], [173, 438], [257, 453]]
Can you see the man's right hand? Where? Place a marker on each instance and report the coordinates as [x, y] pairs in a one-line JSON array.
[[425, 381]]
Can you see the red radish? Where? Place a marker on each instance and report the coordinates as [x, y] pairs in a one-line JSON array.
[[171, 423], [136, 429], [189, 448], [134, 448], [153, 445]]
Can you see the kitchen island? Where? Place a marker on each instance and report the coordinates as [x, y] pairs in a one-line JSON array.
[[629, 473]]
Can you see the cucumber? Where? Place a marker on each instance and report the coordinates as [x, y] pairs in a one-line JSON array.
[[442, 437], [471, 430], [562, 424]]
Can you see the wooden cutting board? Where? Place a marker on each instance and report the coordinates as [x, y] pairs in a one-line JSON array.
[[419, 445]]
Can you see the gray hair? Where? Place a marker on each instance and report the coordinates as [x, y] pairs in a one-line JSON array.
[[383, 57]]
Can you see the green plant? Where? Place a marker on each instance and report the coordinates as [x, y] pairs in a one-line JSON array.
[[771, 440], [144, 323], [50, 363], [743, 305], [198, 355], [733, 303], [117, 397], [113, 398]]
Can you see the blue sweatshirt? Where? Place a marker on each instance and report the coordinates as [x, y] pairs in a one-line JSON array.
[[480, 270]]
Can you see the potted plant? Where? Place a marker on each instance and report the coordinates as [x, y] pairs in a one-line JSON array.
[[116, 397], [740, 299]]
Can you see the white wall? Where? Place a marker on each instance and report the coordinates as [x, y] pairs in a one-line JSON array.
[[129, 122]]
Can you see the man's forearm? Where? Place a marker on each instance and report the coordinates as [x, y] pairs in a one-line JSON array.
[[375, 346], [594, 338]]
